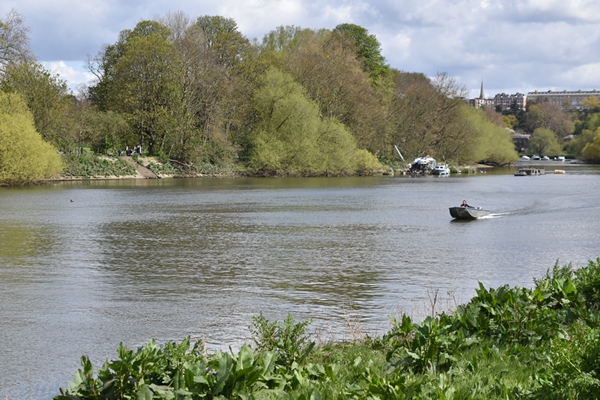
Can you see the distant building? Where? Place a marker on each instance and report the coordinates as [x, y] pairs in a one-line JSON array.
[[567, 100], [480, 101], [506, 101], [521, 141]]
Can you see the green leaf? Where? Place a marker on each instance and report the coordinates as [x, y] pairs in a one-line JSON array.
[[144, 393]]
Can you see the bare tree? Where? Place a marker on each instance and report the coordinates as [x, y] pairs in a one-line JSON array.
[[178, 22], [549, 116], [14, 42], [426, 116]]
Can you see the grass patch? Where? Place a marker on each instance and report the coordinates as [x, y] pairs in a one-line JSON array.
[[89, 165]]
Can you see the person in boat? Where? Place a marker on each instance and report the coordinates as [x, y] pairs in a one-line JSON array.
[[465, 205]]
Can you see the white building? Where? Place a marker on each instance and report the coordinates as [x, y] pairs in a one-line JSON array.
[[567, 100]]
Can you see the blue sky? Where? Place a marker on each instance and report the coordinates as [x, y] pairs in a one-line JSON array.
[[512, 45]]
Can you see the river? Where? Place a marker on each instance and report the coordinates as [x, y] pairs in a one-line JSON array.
[[86, 265]]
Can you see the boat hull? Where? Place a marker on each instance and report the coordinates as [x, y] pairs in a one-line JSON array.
[[530, 172], [467, 213]]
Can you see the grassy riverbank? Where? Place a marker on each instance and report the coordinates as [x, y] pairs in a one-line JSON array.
[[508, 342], [93, 166]]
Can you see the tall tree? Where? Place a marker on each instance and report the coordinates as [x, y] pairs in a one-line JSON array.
[[292, 138], [549, 116], [575, 146], [224, 39], [368, 49], [333, 77], [211, 96], [14, 42], [287, 38], [177, 22], [491, 144], [543, 141], [140, 76], [426, 117], [46, 95], [591, 151]]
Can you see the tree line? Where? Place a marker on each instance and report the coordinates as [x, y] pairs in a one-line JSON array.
[[301, 101]]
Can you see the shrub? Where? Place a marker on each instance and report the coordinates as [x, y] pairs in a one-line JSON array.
[[288, 340]]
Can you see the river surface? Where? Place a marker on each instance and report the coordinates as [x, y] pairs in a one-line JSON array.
[[86, 265]]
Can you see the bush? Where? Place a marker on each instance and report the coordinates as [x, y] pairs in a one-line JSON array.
[[288, 340], [24, 156]]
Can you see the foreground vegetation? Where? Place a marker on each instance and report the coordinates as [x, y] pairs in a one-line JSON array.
[[508, 342]]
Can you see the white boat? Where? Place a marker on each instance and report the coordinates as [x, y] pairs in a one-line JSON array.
[[422, 165], [468, 212], [441, 169]]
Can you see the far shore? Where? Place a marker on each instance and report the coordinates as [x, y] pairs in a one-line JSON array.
[[62, 178]]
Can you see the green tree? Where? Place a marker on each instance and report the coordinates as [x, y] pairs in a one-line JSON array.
[[47, 97], [368, 49], [291, 138], [141, 77], [215, 102], [224, 39], [334, 79], [543, 141], [591, 102], [492, 144], [593, 121], [591, 151], [24, 155], [288, 38], [103, 131], [575, 146], [510, 121], [549, 116]]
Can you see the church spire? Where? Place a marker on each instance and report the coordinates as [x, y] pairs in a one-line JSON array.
[[481, 94]]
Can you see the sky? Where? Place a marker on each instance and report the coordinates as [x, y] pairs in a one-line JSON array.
[[511, 45]]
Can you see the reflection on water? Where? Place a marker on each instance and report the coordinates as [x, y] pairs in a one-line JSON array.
[[131, 260]]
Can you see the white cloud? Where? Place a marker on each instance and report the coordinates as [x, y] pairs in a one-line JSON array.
[[580, 76], [72, 72], [511, 44]]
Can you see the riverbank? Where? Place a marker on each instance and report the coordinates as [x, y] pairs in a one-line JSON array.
[[508, 342], [92, 167]]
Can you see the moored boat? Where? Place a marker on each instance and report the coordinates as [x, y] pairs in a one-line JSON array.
[[530, 172], [441, 169], [468, 212]]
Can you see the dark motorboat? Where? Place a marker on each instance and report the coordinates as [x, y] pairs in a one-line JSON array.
[[468, 212], [530, 172]]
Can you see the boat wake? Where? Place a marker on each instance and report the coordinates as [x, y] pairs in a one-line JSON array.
[[495, 215]]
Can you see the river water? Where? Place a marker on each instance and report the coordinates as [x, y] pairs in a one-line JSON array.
[[86, 265]]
